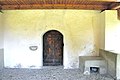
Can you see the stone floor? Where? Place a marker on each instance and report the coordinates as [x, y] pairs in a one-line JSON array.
[[52, 73]]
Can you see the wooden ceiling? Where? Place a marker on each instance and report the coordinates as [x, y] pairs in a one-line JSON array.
[[59, 4]]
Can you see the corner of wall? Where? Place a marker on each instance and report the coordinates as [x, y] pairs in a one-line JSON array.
[[1, 43], [102, 30]]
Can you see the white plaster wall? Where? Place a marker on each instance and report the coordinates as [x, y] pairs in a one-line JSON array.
[[112, 36], [102, 31], [112, 31], [96, 31], [99, 31], [1, 31], [24, 28]]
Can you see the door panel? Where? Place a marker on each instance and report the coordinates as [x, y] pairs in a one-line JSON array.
[[52, 48]]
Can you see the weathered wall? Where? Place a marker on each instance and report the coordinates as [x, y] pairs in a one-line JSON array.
[[97, 61], [1, 42], [1, 31], [118, 67], [99, 31], [96, 31], [111, 59], [24, 28], [112, 40], [102, 31], [1, 58]]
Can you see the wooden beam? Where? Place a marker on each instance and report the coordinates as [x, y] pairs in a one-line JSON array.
[[59, 0], [103, 0], [55, 6], [27, 2], [0, 7], [114, 6]]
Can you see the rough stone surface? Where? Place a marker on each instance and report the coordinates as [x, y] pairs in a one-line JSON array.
[[46, 73]]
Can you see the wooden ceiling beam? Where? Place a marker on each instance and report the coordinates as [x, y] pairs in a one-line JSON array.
[[24, 2], [53, 6], [114, 6], [103, 0], [61, 0]]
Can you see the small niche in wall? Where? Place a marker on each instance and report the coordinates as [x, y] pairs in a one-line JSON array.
[[94, 69], [33, 48]]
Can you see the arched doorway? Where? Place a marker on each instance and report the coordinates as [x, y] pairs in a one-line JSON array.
[[52, 48]]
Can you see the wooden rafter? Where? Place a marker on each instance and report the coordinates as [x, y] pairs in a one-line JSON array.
[[114, 5], [105, 0], [57, 4]]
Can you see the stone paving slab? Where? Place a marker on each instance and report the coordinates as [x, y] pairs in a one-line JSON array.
[[48, 74]]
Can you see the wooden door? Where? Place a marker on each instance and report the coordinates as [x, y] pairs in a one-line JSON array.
[[52, 48]]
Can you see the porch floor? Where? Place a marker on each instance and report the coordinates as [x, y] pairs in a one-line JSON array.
[[48, 73]]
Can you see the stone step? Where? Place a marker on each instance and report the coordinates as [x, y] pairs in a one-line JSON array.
[[86, 62], [52, 64]]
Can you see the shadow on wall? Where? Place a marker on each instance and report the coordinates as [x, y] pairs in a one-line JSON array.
[[1, 58]]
